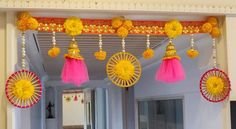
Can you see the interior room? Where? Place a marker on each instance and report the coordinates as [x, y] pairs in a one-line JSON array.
[[82, 65]]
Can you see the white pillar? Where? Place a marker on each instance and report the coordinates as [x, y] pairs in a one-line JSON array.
[[11, 61], [230, 38], [3, 70]]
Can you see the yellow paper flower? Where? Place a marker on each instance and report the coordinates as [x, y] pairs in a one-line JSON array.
[[23, 15], [213, 21], [73, 26], [148, 53], [32, 24], [117, 22], [192, 53], [122, 32], [22, 24], [215, 85], [206, 28], [128, 24], [23, 89], [124, 69], [215, 32], [100, 55], [173, 28], [53, 52]]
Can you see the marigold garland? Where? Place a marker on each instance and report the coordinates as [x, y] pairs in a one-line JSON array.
[[211, 27], [73, 26], [215, 85], [173, 28], [124, 69], [122, 32], [117, 22], [26, 22], [54, 51], [148, 53], [100, 55], [215, 32], [23, 89], [192, 53], [23, 15], [206, 28], [213, 21], [122, 26]]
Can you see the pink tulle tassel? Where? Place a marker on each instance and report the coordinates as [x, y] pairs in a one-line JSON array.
[[74, 71], [171, 69]]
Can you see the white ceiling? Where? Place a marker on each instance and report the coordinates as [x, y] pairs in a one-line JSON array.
[[88, 44]]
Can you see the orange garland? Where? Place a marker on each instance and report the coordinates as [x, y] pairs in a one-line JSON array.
[[103, 26]]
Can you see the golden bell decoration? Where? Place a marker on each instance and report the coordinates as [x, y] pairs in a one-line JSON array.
[[73, 51], [170, 52]]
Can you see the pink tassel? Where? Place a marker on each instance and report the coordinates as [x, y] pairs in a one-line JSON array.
[[171, 69], [74, 71]]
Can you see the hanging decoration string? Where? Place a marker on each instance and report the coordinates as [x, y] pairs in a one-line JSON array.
[[23, 52], [192, 52], [214, 52], [148, 53], [123, 44], [100, 55], [54, 51]]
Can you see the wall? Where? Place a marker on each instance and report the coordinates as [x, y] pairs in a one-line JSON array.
[[2, 70], [198, 113], [73, 111]]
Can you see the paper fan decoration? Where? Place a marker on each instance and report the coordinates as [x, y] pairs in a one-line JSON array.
[[123, 69], [215, 84], [23, 89]]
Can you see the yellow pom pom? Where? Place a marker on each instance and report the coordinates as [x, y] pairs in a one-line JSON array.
[[23, 89], [173, 28], [22, 24], [32, 24], [213, 21], [124, 69], [100, 55], [117, 22], [215, 32], [122, 32], [128, 24], [147, 54], [73, 26], [206, 27], [192, 53], [53, 52], [23, 15], [215, 85]]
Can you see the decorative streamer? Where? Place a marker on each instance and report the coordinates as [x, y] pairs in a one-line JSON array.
[[74, 70], [148, 53], [215, 84], [123, 69], [54, 51], [192, 52], [23, 88], [171, 69], [100, 55]]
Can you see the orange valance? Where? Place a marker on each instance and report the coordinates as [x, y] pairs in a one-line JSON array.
[[103, 26]]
